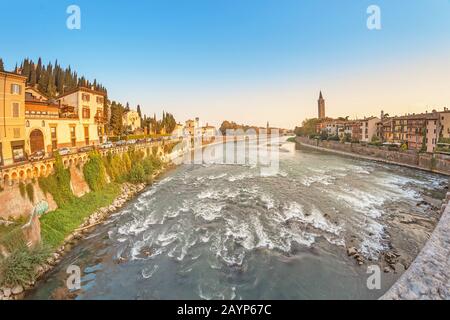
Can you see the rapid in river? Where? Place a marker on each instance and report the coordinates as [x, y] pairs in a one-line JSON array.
[[226, 232]]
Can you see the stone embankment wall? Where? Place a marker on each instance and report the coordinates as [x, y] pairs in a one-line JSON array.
[[438, 163], [15, 205], [428, 277]]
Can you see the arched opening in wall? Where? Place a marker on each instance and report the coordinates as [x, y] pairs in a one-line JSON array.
[[6, 179], [22, 175], [36, 141], [49, 169], [36, 172], [29, 174], [14, 177], [70, 162], [42, 170], [66, 163]]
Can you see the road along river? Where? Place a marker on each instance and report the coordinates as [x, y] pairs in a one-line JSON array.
[[226, 232]]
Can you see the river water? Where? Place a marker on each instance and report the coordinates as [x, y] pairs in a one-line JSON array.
[[226, 232]]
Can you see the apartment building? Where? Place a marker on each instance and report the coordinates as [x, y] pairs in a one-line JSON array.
[[12, 118], [368, 129], [84, 107]]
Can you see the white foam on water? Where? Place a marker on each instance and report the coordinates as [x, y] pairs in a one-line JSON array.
[[215, 177], [149, 272], [315, 218], [242, 176]]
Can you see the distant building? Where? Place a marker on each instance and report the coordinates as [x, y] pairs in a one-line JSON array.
[[131, 121], [178, 131], [321, 107], [191, 126]]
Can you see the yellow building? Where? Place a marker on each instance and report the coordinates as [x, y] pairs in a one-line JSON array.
[[53, 125], [131, 121], [12, 118], [83, 110]]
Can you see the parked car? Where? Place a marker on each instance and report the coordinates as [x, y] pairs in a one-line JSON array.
[[36, 156], [64, 151], [131, 141], [106, 145], [86, 149], [121, 143]]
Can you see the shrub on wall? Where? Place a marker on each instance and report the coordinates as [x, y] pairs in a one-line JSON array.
[[58, 184], [22, 189], [95, 172], [30, 192], [137, 174]]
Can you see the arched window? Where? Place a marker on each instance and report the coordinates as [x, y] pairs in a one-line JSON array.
[[43, 123], [27, 124]]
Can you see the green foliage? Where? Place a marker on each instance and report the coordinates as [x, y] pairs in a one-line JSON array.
[[23, 192], [127, 161], [404, 147], [333, 138], [95, 172], [30, 192], [11, 237], [58, 184], [58, 224], [347, 137], [155, 150], [137, 174], [291, 139], [52, 79], [308, 127], [19, 268]]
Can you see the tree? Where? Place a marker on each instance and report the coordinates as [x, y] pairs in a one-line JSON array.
[[116, 125], [138, 109], [2, 67]]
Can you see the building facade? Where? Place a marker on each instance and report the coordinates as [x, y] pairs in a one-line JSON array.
[[131, 121], [84, 110], [12, 118]]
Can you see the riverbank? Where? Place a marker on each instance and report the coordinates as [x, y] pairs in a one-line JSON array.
[[428, 276], [60, 233], [332, 148]]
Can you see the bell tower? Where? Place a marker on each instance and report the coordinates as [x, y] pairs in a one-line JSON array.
[[321, 107]]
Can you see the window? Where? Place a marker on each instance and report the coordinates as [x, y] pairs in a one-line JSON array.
[[85, 97], [54, 137], [16, 133], [86, 135], [86, 113], [73, 138], [100, 100], [15, 88], [15, 109], [43, 123], [27, 124]]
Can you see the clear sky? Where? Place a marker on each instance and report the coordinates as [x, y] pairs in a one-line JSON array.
[[245, 60]]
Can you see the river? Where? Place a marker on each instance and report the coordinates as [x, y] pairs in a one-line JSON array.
[[226, 232]]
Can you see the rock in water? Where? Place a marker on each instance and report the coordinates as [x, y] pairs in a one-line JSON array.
[[352, 251]]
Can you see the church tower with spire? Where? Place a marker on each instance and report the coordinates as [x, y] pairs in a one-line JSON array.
[[321, 106]]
